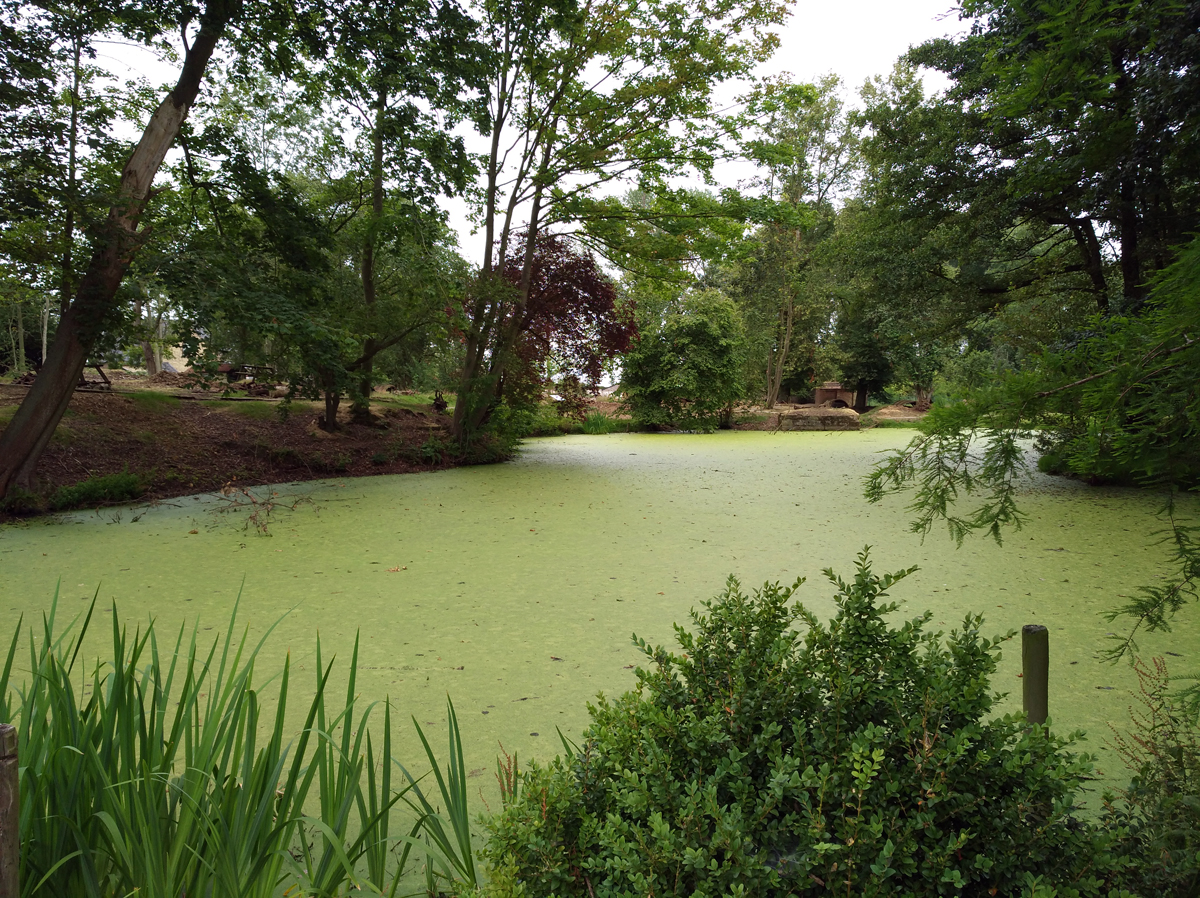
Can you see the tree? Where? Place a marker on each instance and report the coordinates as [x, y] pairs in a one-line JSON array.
[[264, 265], [685, 368], [1059, 117], [866, 346], [807, 148], [582, 95], [1078, 116], [1118, 406], [406, 74], [572, 324], [118, 238]]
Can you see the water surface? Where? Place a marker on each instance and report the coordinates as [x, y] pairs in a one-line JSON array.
[[515, 588]]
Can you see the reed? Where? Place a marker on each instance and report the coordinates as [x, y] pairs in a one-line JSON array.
[[158, 772]]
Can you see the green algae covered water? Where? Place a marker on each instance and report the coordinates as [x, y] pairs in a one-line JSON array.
[[515, 588]]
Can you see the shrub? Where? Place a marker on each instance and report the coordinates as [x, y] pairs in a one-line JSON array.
[[20, 502], [687, 371], [1159, 814], [98, 491], [856, 758], [599, 423]]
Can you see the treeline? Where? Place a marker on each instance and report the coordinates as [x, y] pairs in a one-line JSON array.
[[284, 207], [281, 206]]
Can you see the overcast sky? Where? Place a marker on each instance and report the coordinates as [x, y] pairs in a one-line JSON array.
[[857, 38]]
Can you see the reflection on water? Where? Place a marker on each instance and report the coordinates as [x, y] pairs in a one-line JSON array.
[[515, 588]]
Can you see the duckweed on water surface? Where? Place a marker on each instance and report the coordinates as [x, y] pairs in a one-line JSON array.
[[515, 588]]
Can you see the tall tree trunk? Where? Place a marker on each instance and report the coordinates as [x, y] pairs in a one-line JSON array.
[[480, 392], [775, 374], [67, 273], [924, 396], [1084, 232], [30, 430], [21, 362], [45, 326], [148, 356], [16, 339], [366, 381], [1131, 263], [333, 398]]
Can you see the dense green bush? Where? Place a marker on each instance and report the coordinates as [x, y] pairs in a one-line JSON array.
[[98, 491], [686, 369], [855, 758]]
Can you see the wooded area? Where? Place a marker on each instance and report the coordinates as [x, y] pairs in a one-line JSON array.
[[1022, 240]]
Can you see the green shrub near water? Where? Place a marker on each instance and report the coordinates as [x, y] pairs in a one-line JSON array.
[[597, 423], [854, 758], [98, 491]]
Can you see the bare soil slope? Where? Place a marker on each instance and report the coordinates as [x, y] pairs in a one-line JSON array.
[[182, 441]]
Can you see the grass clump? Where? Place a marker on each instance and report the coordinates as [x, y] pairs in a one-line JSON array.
[[251, 408], [154, 401], [597, 423], [104, 490], [166, 775]]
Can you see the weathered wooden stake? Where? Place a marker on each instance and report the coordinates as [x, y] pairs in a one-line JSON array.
[[1035, 669], [10, 812]]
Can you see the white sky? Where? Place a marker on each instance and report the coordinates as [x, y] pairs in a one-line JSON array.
[[857, 38]]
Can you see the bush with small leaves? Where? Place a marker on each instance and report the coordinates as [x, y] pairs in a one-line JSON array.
[[855, 758], [106, 490]]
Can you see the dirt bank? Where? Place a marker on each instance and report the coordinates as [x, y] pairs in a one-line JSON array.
[[181, 441]]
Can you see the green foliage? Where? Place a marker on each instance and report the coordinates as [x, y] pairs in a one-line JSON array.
[[686, 368], [597, 423], [1159, 812], [806, 147], [508, 425], [1118, 404], [433, 450], [20, 502], [856, 757], [662, 64], [103, 490], [167, 775], [153, 401]]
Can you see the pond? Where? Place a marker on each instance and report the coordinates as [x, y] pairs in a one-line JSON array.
[[515, 588]]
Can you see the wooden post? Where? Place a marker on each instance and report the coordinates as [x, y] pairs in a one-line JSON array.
[[10, 813], [1035, 668]]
